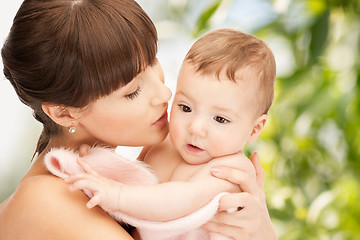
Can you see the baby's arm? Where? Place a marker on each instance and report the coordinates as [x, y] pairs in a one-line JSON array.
[[160, 202]]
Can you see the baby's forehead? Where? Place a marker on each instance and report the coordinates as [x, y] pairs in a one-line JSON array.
[[243, 77], [240, 78]]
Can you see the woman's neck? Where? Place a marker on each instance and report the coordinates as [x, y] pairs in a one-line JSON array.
[[68, 141], [39, 167]]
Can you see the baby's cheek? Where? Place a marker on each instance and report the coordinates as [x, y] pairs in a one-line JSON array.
[[176, 127], [220, 146], [175, 135], [173, 131]]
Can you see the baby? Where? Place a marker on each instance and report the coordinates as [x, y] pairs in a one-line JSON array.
[[224, 91]]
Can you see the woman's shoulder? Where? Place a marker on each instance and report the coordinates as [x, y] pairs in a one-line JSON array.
[[42, 206]]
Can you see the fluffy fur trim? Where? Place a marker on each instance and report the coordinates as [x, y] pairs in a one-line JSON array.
[[106, 162]]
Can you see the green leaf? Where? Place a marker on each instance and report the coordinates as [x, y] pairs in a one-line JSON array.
[[319, 33], [202, 23]]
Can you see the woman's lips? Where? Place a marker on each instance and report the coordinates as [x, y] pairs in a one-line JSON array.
[[193, 149], [162, 120]]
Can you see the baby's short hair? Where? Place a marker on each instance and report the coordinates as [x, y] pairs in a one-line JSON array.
[[231, 50]]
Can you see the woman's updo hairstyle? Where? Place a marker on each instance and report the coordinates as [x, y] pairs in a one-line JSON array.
[[71, 52]]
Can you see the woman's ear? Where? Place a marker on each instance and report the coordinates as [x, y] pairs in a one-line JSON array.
[[257, 128], [64, 116]]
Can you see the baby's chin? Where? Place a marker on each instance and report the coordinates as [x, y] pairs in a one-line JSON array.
[[196, 160]]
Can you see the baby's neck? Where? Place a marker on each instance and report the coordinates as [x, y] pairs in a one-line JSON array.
[[185, 171]]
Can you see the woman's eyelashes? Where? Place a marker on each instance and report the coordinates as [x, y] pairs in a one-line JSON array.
[[133, 95]]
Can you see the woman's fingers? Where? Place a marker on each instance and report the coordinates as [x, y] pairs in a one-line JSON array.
[[244, 179], [249, 218], [244, 222], [223, 229], [231, 201], [260, 173], [245, 175], [250, 170], [236, 201]]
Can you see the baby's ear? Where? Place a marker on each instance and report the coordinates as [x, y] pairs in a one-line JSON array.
[[257, 127]]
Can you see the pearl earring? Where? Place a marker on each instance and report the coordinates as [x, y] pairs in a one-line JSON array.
[[72, 129]]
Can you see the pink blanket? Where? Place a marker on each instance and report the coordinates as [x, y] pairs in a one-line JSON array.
[[108, 163]]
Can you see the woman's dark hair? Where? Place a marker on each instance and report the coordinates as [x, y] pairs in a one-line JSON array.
[[71, 52]]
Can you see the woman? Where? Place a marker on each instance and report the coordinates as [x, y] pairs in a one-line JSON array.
[[88, 69]]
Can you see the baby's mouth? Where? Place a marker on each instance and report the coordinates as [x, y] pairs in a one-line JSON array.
[[194, 149]]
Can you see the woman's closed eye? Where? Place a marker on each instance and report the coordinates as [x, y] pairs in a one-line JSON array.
[[184, 108], [221, 119], [133, 95]]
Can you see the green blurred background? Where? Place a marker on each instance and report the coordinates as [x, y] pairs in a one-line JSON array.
[[310, 148]]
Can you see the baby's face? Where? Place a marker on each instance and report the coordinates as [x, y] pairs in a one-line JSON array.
[[210, 118]]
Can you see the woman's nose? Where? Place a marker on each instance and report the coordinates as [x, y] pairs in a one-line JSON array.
[[162, 94], [198, 128]]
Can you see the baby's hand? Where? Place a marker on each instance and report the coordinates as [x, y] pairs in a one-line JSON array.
[[105, 192], [84, 150]]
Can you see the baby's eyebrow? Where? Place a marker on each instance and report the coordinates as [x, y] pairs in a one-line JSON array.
[[182, 93], [227, 110]]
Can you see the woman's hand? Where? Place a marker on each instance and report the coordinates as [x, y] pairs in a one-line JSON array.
[[251, 220]]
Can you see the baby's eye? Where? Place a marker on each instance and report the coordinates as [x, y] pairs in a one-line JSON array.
[[221, 119], [184, 108], [133, 95]]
